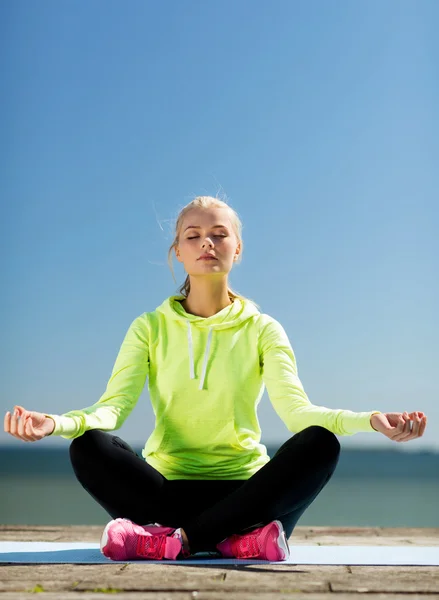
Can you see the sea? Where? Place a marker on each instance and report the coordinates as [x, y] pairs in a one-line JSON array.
[[370, 488]]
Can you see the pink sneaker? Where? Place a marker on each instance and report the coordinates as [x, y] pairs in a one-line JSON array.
[[122, 539], [264, 543]]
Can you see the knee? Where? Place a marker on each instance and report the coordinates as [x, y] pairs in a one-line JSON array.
[[321, 436], [84, 445]]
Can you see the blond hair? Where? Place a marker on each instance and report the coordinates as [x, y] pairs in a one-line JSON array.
[[207, 202]]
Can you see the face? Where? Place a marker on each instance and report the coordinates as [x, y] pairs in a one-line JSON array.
[[207, 231]]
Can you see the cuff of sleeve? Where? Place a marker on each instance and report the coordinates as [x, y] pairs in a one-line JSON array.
[[359, 422], [64, 426], [57, 430]]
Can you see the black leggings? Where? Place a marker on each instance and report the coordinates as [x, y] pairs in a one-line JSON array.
[[125, 485]]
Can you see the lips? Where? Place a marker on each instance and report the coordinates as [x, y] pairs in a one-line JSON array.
[[207, 257]]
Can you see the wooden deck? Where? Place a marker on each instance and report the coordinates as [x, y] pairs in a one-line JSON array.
[[240, 582]]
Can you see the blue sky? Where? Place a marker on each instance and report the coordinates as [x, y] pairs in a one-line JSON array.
[[317, 121]]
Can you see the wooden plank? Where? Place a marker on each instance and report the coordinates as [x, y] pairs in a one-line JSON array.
[[206, 595], [62, 571], [44, 533], [276, 584], [409, 580]]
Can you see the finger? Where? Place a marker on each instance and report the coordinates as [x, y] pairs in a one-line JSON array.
[[406, 438], [407, 433], [24, 435], [20, 427], [30, 431], [21, 430], [27, 436], [420, 422], [14, 424], [399, 428], [18, 410], [403, 429], [7, 422], [416, 412], [406, 418], [22, 412], [416, 425]]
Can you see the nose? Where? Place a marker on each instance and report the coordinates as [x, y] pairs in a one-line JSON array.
[[207, 240]]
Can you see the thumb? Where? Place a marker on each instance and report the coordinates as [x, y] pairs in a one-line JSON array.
[[399, 423]]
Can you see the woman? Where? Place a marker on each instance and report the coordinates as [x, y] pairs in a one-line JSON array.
[[205, 482]]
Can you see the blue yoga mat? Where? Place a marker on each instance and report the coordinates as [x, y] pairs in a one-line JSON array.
[[89, 553]]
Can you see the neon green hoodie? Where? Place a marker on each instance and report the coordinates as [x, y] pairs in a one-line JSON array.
[[206, 377]]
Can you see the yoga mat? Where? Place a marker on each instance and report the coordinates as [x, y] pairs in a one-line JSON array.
[[89, 552]]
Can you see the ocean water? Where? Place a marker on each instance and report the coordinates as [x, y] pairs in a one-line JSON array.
[[369, 488]]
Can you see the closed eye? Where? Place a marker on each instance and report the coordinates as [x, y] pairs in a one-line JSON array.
[[195, 236]]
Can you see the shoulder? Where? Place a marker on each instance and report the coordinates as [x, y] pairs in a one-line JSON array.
[[141, 320], [270, 331], [141, 324], [268, 323], [150, 322]]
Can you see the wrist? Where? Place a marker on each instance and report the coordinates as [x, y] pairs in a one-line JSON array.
[[371, 421], [52, 426]]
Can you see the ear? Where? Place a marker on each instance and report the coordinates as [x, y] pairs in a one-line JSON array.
[[237, 252], [177, 253]]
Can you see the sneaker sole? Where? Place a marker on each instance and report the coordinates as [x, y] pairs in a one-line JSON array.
[[282, 541]]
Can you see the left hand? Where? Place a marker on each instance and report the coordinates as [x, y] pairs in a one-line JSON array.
[[400, 427]]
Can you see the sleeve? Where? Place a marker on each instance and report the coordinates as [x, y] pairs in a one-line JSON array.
[[286, 392], [122, 392]]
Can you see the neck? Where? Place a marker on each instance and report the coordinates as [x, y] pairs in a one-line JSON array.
[[206, 298]]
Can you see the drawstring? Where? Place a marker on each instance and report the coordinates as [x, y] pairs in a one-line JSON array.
[[206, 354], [191, 350], [191, 354]]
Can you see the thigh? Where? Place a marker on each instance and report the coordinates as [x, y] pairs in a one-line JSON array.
[[115, 475], [95, 443]]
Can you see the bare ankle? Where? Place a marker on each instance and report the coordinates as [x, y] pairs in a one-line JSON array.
[[185, 540]]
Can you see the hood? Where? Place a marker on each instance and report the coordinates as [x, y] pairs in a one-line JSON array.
[[238, 312]]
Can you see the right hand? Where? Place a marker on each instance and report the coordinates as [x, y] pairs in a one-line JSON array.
[[400, 427], [28, 425]]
